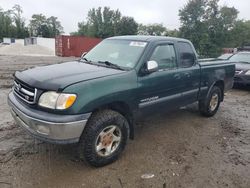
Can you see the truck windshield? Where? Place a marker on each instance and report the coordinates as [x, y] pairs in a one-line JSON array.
[[124, 53]]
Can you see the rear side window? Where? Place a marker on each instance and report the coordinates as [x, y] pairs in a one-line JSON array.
[[165, 56], [187, 57]]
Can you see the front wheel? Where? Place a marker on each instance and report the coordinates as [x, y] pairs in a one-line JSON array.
[[209, 106], [104, 138]]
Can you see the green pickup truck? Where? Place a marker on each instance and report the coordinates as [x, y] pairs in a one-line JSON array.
[[96, 100]]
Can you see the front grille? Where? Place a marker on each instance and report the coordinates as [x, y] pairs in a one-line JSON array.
[[25, 92]]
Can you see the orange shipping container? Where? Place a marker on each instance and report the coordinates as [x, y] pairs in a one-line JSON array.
[[67, 46]]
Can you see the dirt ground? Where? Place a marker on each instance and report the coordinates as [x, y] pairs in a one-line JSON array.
[[181, 148]]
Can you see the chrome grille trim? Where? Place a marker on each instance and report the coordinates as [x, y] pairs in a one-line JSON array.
[[24, 94], [25, 91]]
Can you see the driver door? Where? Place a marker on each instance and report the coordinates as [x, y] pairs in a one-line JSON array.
[[163, 87]]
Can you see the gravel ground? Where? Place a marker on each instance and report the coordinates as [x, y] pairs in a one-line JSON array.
[[181, 148]]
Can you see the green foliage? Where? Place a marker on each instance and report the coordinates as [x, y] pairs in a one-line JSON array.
[[54, 26], [240, 34], [156, 30], [36, 23], [105, 23], [192, 26], [45, 27], [173, 33], [12, 24], [211, 27], [152, 29], [126, 26], [20, 30]]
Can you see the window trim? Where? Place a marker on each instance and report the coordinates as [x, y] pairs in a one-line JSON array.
[[176, 55], [179, 54]]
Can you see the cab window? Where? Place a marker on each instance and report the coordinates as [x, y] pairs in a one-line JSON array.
[[187, 57], [165, 56]]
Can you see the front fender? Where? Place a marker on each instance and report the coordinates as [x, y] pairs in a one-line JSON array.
[[94, 93]]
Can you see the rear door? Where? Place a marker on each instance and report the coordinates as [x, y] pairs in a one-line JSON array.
[[163, 87], [189, 71]]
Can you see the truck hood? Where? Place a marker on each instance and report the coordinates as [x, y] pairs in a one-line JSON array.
[[58, 76]]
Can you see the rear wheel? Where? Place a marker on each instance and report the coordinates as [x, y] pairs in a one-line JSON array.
[[104, 138], [209, 106]]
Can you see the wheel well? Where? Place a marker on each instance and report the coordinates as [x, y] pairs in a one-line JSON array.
[[220, 84], [124, 110]]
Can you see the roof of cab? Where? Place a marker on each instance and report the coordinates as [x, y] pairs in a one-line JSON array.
[[148, 38]]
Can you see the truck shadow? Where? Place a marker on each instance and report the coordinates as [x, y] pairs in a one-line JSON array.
[[67, 155]]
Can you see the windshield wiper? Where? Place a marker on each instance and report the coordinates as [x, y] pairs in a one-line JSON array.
[[112, 65], [85, 60]]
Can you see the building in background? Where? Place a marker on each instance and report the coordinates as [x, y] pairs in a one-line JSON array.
[[8, 40], [45, 42]]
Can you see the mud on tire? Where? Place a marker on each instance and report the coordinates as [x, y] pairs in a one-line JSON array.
[[100, 122], [205, 106]]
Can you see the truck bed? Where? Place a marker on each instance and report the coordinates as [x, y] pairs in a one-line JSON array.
[[215, 70], [212, 61]]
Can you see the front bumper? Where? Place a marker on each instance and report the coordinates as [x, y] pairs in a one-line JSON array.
[[53, 128], [242, 79]]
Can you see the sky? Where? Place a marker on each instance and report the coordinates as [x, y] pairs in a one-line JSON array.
[[146, 12]]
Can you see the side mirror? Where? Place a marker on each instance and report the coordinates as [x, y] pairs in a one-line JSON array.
[[152, 66], [83, 54]]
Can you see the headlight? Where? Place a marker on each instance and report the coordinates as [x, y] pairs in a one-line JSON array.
[[55, 100], [248, 72]]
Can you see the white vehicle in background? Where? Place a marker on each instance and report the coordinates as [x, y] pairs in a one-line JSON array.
[[225, 56]]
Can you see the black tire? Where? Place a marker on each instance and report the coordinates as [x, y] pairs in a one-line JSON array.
[[98, 123], [204, 105]]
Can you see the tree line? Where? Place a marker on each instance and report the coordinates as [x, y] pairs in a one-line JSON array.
[[104, 22], [12, 24], [209, 26]]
